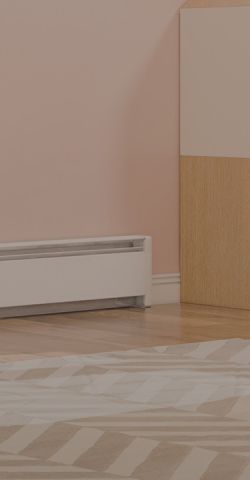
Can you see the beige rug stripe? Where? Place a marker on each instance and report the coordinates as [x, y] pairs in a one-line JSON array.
[[225, 467], [246, 474], [197, 396], [218, 407], [60, 376], [194, 465], [174, 435], [184, 349], [175, 365], [123, 424], [11, 375], [207, 348], [51, 441], [81, 442], [133, 456], [13, 458], [242, 357], [41, 469], [37, 374], [104, 453], [171, 412], [162, 462], [241, 409], [225, 353], [216, 443], [23, 437], [103, 383], [149, 389]]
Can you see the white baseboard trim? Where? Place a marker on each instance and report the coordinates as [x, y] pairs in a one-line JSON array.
[[166, 288]]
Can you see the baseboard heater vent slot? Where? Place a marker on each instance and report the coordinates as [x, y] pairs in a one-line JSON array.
[[75, 275], [70, 249]]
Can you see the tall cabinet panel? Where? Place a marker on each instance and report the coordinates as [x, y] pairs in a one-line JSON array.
[[215, 152]]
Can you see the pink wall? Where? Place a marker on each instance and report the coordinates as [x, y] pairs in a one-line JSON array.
[[89, 128]]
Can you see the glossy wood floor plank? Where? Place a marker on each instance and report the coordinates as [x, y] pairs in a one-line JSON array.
[[92, 332]]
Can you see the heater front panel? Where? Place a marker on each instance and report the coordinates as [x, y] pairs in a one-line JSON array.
[[71, 279]]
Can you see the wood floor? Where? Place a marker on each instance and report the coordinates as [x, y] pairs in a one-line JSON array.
[[92, 332]]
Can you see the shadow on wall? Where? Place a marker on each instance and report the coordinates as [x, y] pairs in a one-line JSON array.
[[150, 150]]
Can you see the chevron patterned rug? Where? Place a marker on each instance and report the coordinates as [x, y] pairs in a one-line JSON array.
[[165, 413]]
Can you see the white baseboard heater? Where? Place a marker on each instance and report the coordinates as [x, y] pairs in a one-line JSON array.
[[75, 275]]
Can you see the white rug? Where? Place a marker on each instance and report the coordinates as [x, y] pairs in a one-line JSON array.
[[165, 413]]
